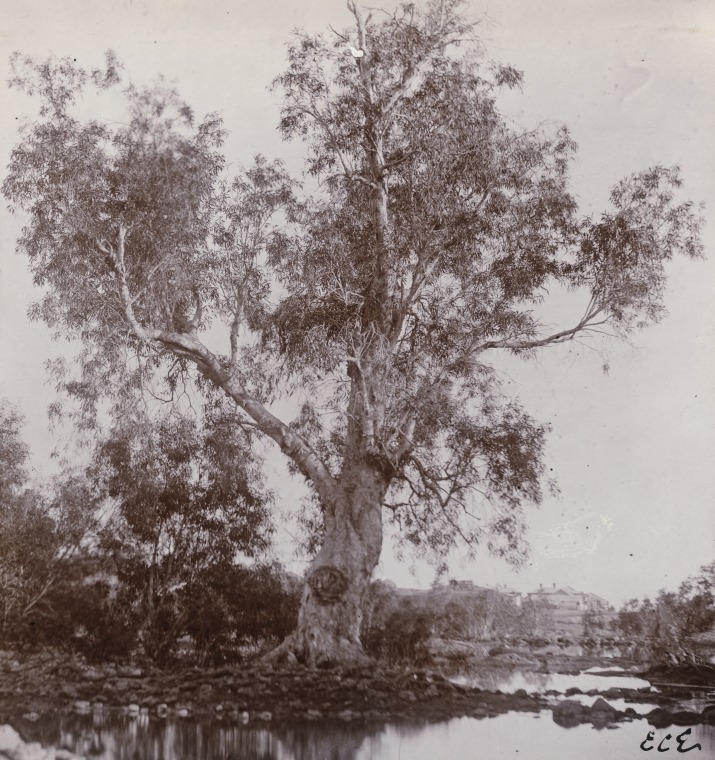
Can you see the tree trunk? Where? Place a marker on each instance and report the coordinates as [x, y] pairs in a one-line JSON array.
[[330, 616]]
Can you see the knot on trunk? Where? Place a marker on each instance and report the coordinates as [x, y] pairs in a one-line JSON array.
[[328, 584]]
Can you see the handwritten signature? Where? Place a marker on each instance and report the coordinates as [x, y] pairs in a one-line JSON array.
[[663, 745]]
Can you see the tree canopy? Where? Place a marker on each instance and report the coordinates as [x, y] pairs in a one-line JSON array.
[[428, 233]]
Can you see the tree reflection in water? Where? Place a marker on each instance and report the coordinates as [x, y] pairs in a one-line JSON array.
[[110, 735]]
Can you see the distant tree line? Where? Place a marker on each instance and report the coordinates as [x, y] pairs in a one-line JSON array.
[[399, 627], [670, 628]]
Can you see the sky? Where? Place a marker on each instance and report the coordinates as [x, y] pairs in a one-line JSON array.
[[633, 449]]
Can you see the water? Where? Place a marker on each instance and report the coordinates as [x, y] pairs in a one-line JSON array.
[[500, 679], [514, 736], [114, 735]]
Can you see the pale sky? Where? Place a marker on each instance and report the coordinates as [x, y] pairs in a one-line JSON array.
[[633, 450]]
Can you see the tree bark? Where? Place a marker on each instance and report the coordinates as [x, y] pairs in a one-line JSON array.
[[330, 615]]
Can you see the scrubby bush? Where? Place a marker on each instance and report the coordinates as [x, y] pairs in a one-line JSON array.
[[666, 629], [396, 628]]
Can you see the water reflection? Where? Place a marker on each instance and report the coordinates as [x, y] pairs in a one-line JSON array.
[[500, 679], [112, 736], [109, 735], [520, 735]]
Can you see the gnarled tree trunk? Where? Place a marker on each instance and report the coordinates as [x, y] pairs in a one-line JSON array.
[[330, 616]]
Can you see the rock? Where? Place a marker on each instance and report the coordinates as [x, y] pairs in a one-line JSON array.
[[569, 713], [68, 690], [602, 713], [121, 685], [684, 718], [659, 718], [130, 672], [601, 706], [613, 693], [573, 690]]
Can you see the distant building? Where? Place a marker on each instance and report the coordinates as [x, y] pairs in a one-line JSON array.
[[566, 598], [595, 602], [515, 596]]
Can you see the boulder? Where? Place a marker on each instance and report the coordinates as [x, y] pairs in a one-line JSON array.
[[686, 718], [601, 713], [569, 713], [660, 718]]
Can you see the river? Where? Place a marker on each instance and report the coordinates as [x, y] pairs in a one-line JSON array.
[[103, 734]]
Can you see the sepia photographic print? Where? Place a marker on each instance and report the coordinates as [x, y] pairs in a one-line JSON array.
[[357, 379]]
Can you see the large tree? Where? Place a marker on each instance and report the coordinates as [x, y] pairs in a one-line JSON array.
[[433, 231]]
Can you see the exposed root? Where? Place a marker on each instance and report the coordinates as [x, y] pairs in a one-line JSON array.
[[313, 651]]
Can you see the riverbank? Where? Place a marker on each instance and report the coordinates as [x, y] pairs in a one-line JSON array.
[[33, 684]]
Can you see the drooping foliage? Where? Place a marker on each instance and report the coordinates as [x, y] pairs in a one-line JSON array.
[[382, 299]]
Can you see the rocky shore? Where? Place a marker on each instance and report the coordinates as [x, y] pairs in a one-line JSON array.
[[38, 683]]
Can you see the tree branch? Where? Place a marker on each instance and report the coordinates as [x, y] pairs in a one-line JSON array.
[[585, 324], [188, 346]]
